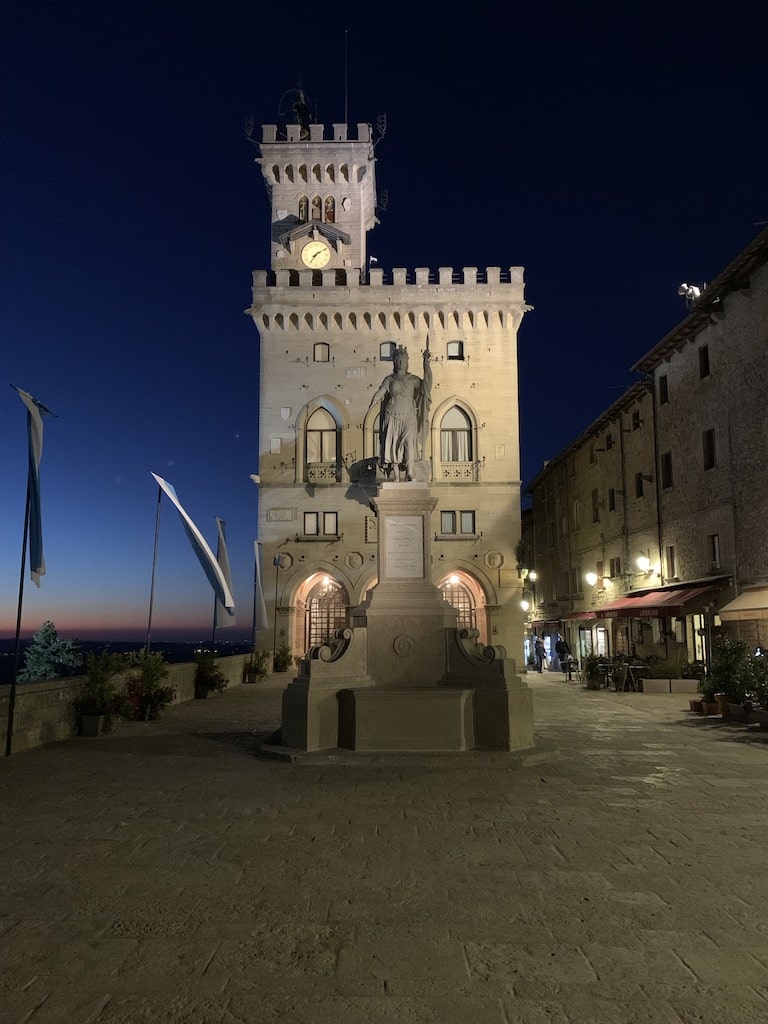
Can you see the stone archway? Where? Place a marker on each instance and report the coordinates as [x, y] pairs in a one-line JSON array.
[[465, 593], [324, 602]]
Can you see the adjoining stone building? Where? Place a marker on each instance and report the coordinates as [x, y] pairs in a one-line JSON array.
[[649, 533], [329, 325]]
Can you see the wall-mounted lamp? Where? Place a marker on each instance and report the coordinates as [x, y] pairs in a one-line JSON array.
[[643, 563], [525, 605], [591, 578]]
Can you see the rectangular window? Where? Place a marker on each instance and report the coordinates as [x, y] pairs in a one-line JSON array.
[[576, 515], [663, 390], [636, 421], [321, 352], [608, 442], [615, 568], [666, 469], [452, 523], [592, 457], [576, 580], [572, 466], [387, 351], [318, 524], [638, 485], [455, 349], [311, 525], [703, 362], [595, 506], [671, 562], [713, 544], [611, 499], [708, 445]]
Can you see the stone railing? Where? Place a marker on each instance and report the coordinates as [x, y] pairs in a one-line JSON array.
[[43, 711]]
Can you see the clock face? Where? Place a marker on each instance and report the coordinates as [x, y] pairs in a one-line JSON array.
[[315, 254]]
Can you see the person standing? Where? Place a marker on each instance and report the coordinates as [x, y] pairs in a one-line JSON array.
[[564, 654], [539, 653]]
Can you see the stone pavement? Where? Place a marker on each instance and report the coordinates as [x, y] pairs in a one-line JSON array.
[[165, 874]]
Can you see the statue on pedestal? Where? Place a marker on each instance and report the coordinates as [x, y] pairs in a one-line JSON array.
[[404, 420]]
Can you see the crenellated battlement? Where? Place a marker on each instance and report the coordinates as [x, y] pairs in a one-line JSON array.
[[293, 132], [399, 277]]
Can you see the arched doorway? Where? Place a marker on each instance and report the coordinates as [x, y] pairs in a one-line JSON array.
[[325, 604], [465, 594]]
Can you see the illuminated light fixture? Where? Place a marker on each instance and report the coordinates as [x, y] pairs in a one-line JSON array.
[[533, 575], [591, 578], [524, 605], [643, 563], [326, 580], [453, 580]]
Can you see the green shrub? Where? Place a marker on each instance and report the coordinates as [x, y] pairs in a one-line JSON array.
[[145, 695]]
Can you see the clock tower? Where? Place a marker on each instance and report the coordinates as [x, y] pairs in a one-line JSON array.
[[331, 331], [322, 195]]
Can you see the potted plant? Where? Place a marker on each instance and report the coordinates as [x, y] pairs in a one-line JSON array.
[[731, 676], [258, 667], [99, 702], [208, 677], [144, 692], [592, 672], [282, 659]]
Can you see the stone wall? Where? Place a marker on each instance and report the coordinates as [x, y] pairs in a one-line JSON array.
[[43, 711]]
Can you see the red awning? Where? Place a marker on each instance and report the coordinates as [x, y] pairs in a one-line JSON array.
[[653, 604]]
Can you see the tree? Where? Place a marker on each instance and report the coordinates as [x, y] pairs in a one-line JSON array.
[[48, 656]]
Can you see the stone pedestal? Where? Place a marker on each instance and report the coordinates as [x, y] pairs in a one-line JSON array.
[[405, 613], [415, 719], [405, 678]]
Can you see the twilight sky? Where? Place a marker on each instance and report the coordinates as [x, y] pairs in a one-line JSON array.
[[614, 151]]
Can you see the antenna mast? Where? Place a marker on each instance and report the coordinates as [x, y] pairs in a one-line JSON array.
[[346, 74]]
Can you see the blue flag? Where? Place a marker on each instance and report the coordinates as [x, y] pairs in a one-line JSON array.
[[35, 435]]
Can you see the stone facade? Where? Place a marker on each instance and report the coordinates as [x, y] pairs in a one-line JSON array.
[[327, 336], [671, 473]]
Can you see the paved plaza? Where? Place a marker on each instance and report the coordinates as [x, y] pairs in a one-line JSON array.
[[165, 874]]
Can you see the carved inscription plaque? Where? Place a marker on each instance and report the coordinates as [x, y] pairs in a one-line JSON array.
[[405, 547]]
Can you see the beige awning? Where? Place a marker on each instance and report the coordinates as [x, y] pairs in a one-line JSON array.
[[748, 605]]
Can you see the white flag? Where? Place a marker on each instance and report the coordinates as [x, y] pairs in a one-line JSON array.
[[223, 616], [259, 608], [204, 554]]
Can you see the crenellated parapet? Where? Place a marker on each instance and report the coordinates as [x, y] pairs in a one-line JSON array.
[[315, 133], [403, 301], [400, 277]]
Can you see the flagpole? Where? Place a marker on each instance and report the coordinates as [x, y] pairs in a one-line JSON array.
[[154, 563], [255, 600], [17, 644]]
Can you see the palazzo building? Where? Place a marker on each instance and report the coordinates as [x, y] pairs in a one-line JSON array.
[[329, 325], [648, 534]]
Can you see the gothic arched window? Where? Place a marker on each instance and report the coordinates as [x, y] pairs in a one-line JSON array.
[[303, 209], [330, 209], [455, 436], [317, 208]]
